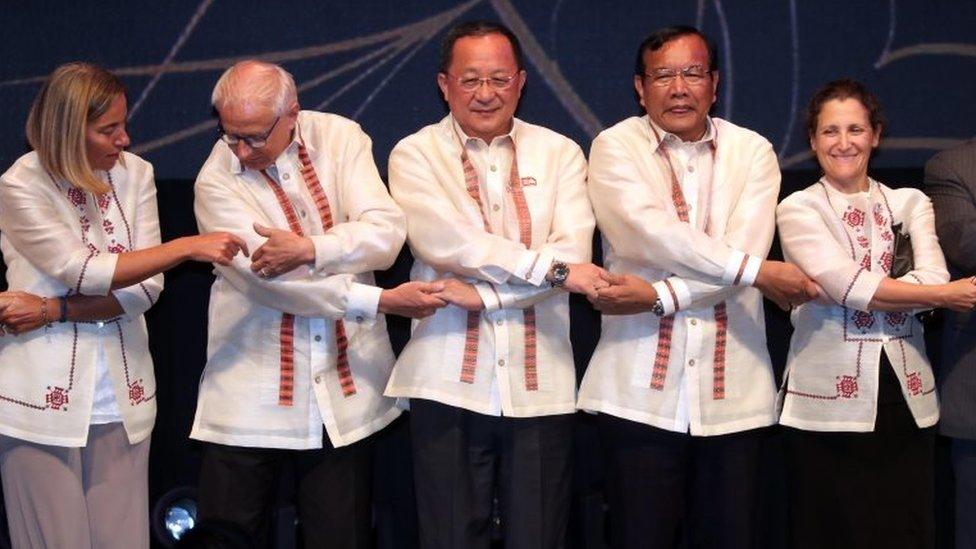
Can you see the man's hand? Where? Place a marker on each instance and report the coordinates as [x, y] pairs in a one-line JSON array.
[[785, 284], [625, 294], [586, 279], [461, 294], [282, 252], [20, 312], [412, 299]]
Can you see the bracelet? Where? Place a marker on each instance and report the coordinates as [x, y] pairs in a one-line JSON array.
[[44, 317], [63, 302]]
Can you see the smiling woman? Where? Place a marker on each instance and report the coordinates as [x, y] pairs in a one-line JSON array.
[[859, 387], [79, 232]]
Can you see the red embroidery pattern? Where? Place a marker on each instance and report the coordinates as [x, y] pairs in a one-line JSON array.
[[666, 324], [863, 319], [286, 360], [718, 364], [854, 217], [847, 386], [471, 336], [469, 361], [56, 398], [914, 383], [286, 330], [325, 213], [663, 354], [286, 336], [896, 319], [886, 261], [878, 212], [525, 237]]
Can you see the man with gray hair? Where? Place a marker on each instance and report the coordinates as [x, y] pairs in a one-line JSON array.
[[298, 353]]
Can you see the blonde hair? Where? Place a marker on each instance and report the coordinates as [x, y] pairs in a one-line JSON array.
[[255, 82], [75, 95]]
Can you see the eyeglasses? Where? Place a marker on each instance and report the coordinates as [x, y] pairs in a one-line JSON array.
[[253, 141], [472, 83], [693, 75]]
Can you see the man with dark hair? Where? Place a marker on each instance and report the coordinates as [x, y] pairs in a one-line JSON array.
[[681, 376], [498, 208]]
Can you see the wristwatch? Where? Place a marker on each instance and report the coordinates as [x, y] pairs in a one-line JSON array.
[[559, 272], [658, 307]]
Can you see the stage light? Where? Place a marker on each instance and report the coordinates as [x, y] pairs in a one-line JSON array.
[[174, 515]]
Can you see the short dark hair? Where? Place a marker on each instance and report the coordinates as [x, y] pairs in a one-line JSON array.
[[477, 28], [844, 88], [657, 39]]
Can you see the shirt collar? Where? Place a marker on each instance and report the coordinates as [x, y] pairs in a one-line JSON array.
[[465, 138], [673, 139], [237, 168]]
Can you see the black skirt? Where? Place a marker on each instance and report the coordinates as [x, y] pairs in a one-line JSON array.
[[864, 490]]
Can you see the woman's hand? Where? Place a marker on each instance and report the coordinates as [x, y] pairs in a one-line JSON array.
[[959, 295], [21, 312], [219, 247]]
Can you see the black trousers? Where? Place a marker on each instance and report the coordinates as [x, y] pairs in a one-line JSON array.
[[240, 485], [462, 460], [964, 469], [668, 489], [862, 490]]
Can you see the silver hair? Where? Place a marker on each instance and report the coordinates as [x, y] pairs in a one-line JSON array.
[[255, 82]]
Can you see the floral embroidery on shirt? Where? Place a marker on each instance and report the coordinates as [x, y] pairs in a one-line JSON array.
[[56, 398], [896, 319], [854, 217], [863, 319], [914, 382], [847, 386]]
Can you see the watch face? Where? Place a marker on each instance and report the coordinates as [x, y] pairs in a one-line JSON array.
[[560, 271]]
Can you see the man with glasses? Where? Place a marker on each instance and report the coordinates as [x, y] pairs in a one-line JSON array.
[[498, 207], [298, 354], [681, 375]]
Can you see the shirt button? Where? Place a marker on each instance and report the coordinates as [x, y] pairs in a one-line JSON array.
[[318, 379], [694, 322], [285, 176], [303, 213], [359, 318], [318, 338], [498, 323], [501, 362], [493, 168], [691, 168], [691, 362], [496, 207]]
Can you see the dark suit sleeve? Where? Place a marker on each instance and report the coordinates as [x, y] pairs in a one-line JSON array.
[[950, 181]]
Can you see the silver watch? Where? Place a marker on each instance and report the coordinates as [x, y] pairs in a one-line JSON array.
[[658, 307], [559, 272]]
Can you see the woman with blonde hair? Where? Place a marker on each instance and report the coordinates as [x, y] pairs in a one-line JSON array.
[[860, 397], [79, 232]]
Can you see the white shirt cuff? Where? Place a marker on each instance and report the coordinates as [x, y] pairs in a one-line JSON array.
[[674, 294], [96, 275], [489, 296], [751, 271], [533, 266], [736, 267], [861, 290], [362, 303]]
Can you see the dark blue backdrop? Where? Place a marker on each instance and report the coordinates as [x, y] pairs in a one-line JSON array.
[[375, 62]]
